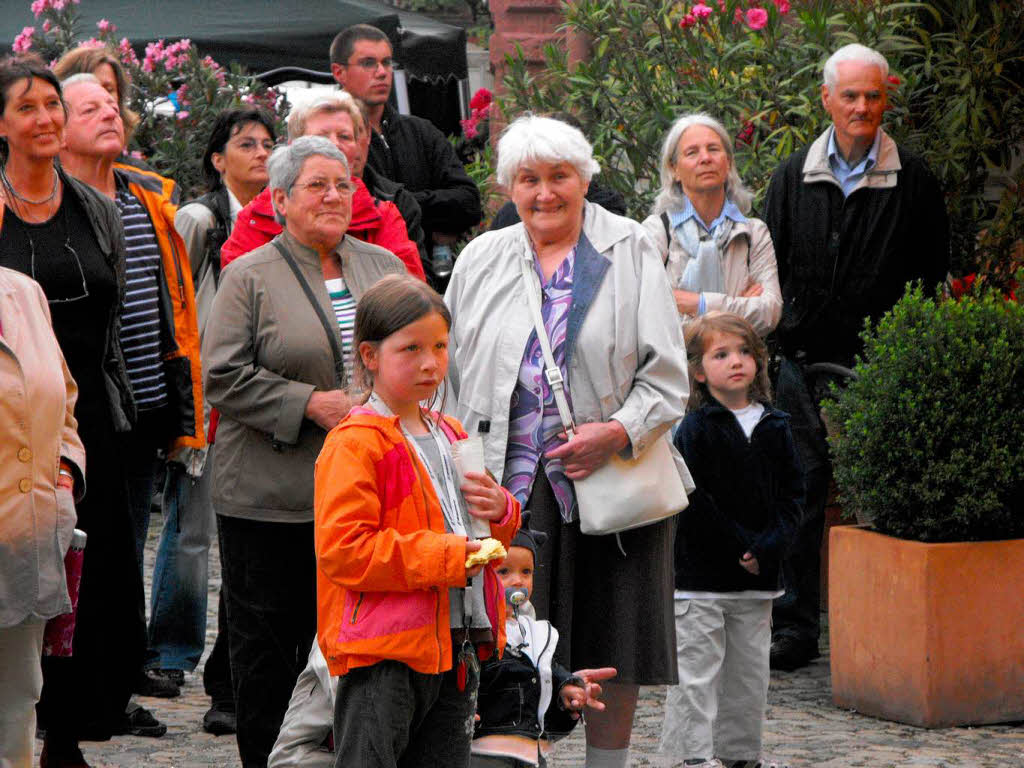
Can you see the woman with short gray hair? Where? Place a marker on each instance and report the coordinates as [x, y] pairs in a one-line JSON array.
[[277, 359], [716, 256]]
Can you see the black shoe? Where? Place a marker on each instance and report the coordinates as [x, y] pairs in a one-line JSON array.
[[61, 756], [176, 676], [790, 653], [139, 721], [159, 683], [219, 721]]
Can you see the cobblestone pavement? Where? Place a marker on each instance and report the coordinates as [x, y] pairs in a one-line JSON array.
[[804, 728]]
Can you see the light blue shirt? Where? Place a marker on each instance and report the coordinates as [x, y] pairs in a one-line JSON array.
[[848, 176], [729, 211]]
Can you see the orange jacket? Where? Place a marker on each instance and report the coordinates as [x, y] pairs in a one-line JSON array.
[[384, 562], [179, 326]]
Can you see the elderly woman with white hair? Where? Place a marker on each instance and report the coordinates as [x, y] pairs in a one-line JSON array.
[[277, 354], [716, 256], [607, 309]]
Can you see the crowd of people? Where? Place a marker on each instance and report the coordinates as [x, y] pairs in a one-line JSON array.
[[282, 345]]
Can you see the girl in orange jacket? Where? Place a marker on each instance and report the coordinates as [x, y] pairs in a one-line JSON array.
[[401, 617]]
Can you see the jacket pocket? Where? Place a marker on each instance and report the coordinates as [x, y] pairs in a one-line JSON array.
[[368, 615]]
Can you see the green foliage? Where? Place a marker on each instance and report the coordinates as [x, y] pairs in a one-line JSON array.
[[928, 439], [957, 96]]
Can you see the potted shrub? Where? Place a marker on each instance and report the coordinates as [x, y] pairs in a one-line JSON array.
[[926, 610]]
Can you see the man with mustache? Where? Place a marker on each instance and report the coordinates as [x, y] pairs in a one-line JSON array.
[[853, 218]]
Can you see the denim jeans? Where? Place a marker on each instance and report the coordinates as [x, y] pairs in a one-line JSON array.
[[177, 618], [389, 716]]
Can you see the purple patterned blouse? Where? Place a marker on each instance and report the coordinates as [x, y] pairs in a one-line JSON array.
[[534, 423]]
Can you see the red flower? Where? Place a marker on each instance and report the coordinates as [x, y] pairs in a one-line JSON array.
[[757, 18], [747, 133], [688, 20], [782, 6], [481, 99], [894, 80]]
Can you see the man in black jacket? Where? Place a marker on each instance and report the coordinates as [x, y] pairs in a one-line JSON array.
[[403, 148], [853, 218]]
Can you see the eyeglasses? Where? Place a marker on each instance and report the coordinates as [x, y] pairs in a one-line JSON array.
[[371, 64], [319, 187], [74, 255], [250, 145]]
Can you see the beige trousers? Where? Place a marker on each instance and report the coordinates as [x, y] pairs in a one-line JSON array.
[[718, 708], [21, 681]]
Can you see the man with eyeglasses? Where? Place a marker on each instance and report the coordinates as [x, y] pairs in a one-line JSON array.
[[407, 149], [159, 331]]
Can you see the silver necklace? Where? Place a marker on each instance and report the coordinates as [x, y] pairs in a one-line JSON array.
[[10, 187]]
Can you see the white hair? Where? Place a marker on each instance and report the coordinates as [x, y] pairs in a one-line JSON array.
[[81, 77], [671, 196], [331, 102], [285, 163], [852, 52], [531, 138]]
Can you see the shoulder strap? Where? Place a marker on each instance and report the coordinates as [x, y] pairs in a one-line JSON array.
[[551, 371], [668, 235], [339, 360]]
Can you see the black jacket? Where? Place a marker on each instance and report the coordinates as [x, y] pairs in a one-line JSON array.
[[411, 151], [842, 260], [391, 191], [749, 497], [606, 197], [510, 694]]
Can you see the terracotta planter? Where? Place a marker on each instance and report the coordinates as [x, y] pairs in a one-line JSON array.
[[927, 634]]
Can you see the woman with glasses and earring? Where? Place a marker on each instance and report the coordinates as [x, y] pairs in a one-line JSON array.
[[277, 357], [68, 237]]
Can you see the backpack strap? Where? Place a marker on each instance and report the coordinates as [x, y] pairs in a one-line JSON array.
[[668, 235]]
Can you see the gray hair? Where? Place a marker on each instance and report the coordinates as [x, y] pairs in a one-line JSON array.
[[330, 102], [852, 52], [81, 77], [285, 163], [531, 138], [671, 196]]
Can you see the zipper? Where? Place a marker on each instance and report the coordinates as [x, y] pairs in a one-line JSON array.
[[177, 269], [764, 415], [355, 611]]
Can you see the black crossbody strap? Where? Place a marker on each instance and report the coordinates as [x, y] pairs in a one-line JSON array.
[[339, 360]]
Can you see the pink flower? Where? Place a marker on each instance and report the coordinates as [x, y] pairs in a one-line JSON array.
[[688, 21], [38, 6], [782, 6], [183, 115], [23, 42], [92, 42], [757, 18], [721, 5], [894, 80], [481, 99], [58, 5], [47, 26], [137, 155], [105, 26], [700, 11], [469, 128]]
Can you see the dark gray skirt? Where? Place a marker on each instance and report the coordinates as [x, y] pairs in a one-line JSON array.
[[610, 610]]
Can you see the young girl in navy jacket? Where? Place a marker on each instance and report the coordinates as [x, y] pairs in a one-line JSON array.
[[729, 544]]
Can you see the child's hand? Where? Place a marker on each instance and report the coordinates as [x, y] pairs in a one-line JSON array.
[[749, 563], [485, 498], [575, 697], [472, 545]]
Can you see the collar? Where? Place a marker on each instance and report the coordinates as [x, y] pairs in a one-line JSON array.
[[234, 207], [884, 174], [729, 211], [835, 157]]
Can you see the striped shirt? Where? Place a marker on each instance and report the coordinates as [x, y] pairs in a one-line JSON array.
[[344, 304], [140, 319]]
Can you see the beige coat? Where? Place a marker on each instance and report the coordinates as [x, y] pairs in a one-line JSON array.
[[264, 353], [749, 258], [627, 362], [37, 430]]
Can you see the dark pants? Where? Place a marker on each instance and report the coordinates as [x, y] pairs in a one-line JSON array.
[[797, 614], [388, 716], [217, 672], [269, 574]]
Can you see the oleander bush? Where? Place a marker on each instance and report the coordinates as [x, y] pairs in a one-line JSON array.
[[927, 441]]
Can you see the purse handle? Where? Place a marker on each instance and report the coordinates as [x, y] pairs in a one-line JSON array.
[[552, 373]]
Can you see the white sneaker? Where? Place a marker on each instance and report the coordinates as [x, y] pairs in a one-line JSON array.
[[712, 763]]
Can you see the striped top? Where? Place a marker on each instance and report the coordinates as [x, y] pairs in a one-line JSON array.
[[344, 304], [140, 320]]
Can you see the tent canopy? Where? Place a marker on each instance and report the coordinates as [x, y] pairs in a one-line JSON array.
[[266, 34]]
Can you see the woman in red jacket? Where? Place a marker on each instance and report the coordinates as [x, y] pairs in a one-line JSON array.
[[337, 118]]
